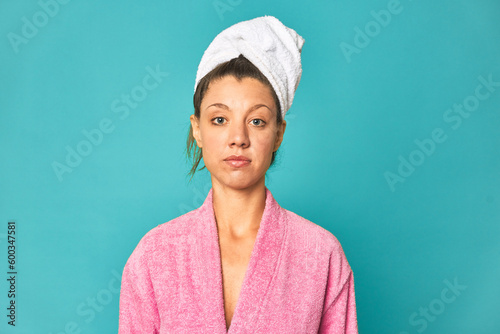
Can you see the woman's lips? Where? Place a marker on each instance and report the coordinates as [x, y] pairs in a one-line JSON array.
[[237, 161]]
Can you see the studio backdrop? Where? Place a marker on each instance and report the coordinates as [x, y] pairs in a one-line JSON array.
[[392, 143]]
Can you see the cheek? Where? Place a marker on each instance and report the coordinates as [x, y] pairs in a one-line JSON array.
[[210, 139], [265, 144], [213, 147]]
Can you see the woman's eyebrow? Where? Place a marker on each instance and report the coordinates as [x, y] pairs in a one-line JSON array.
[[223, 106]]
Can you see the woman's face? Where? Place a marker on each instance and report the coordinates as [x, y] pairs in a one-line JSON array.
[[237, 118]]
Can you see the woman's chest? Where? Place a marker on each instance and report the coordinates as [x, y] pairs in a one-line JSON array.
[[235, 257], [214, 287]]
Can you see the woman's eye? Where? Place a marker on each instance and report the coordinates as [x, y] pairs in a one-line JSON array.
[[259, 122], [218, 120]]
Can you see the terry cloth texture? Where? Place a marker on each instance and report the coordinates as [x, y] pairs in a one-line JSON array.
[[298, 279]]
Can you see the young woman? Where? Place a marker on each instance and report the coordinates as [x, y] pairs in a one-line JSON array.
[[240, 263]]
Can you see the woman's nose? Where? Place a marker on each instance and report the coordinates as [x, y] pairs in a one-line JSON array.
[[238, 133]]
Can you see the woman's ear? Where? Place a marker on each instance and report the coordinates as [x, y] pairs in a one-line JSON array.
[[279, 137], [195, 125]]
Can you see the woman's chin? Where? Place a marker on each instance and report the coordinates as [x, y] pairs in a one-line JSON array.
[[238, 182]]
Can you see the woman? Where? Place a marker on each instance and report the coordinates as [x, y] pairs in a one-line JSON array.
[[240, 263]]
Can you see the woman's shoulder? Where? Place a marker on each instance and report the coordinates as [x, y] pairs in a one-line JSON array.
[[307, 237], [166, 233], [301, 229], [303, 225]]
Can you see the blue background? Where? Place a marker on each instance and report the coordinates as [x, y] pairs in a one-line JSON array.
[[355, 116]]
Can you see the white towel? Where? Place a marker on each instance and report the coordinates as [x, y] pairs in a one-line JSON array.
[[268, 44]]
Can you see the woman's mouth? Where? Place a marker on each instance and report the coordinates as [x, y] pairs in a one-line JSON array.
[[237, 161]]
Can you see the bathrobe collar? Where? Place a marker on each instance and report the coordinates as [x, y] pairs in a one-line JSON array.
[[261, 268]]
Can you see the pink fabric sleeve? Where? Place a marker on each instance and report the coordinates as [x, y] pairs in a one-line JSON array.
[[339, 314], [138, 309], [340, 317]]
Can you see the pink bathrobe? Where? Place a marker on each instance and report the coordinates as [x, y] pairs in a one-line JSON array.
[[298, 279]]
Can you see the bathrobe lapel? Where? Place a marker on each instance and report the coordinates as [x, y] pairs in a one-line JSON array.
[[258, 276]]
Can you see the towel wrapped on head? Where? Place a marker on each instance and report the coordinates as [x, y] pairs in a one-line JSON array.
[[268, 44]]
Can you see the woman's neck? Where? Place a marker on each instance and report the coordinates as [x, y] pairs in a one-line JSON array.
[[238, 213]]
